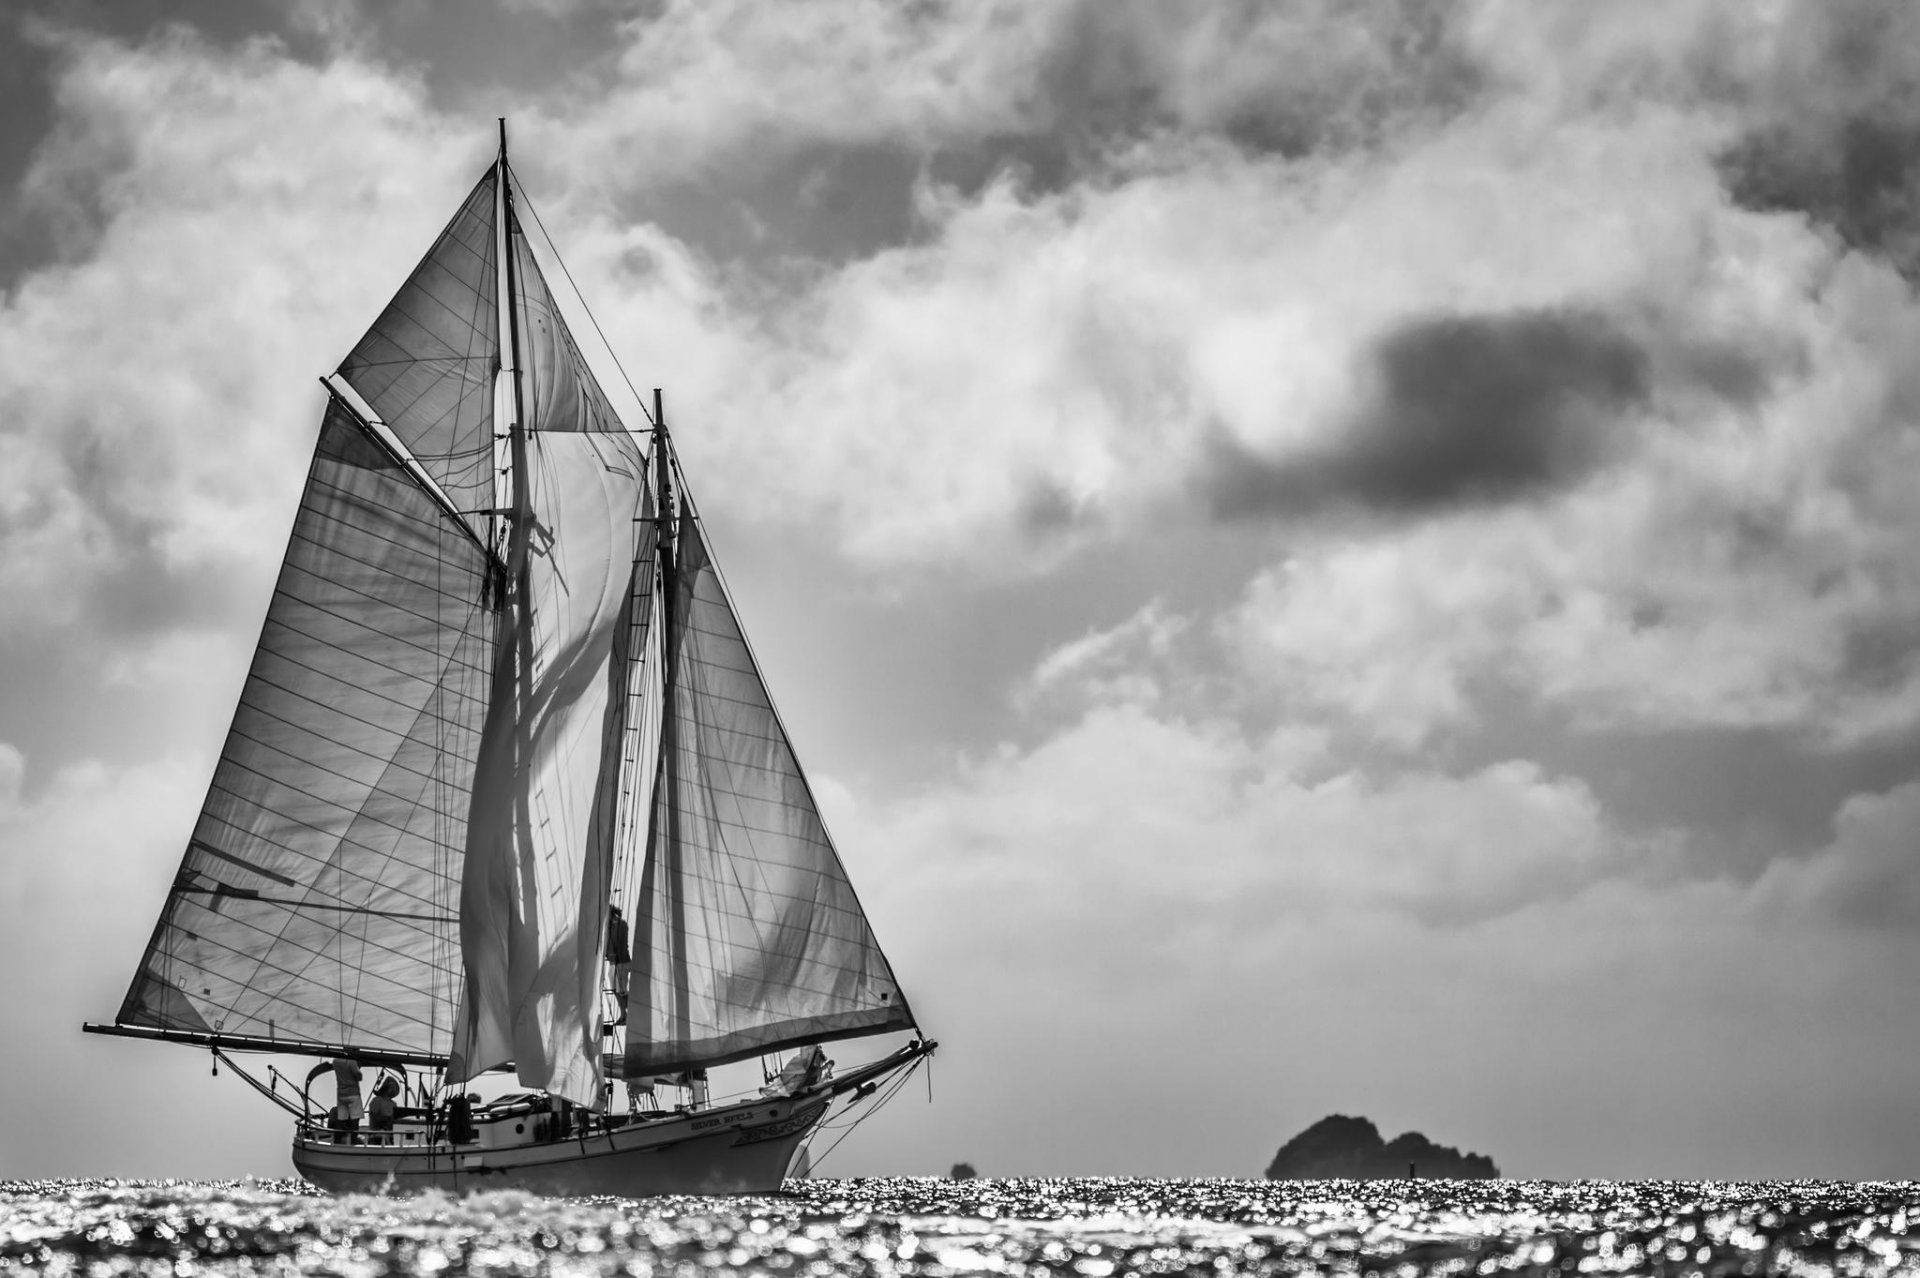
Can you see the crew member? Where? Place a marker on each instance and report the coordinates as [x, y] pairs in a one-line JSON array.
[[621, 959], [380, 1109], [346, 1083]]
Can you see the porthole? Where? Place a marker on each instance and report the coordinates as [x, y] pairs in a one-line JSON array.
[[518, 1128]]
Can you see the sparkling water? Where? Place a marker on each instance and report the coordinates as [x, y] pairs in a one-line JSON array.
[[1092, 1228]]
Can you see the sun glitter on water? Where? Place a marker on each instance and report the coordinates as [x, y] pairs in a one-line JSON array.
[[900, 1226]]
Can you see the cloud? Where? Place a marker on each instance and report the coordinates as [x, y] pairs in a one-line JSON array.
[[1464, 410], [84, 862], [1261, 826], [701, 88], [1125, 664], [1868, 876], [1483, 946], [243, 213], [1833, 126]]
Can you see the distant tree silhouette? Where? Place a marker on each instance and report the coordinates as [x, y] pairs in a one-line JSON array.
[[1342, 1148], [962, 1171]]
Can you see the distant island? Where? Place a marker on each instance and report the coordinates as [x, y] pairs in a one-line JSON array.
[[1342, 1148]]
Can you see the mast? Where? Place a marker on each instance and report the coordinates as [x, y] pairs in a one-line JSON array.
[[668, 774], [516, 431], [519, 612]]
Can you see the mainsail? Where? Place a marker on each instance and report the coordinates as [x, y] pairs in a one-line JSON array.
[[535, 899], [534, 903], [498, 663]]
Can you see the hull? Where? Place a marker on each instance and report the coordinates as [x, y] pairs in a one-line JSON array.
[[735, 1149]]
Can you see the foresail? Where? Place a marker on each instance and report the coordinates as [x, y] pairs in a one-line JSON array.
[[427, 365], [534, 900], [315, 903], [749, 937]]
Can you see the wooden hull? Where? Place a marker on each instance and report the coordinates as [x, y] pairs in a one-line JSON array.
[[734, 1149]]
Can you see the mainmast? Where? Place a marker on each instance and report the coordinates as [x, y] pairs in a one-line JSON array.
[[517, 619], [668, 775], [517, 531]]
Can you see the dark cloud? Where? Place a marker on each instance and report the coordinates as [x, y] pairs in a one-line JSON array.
[[1464, 411], [1836, 126], [811, 202], [1046, 509], [1286, 78]]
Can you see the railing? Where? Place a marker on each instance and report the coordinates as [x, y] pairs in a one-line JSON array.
[[398, 1137]]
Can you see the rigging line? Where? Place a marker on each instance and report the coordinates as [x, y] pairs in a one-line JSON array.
[[254, 1083], [551, 248], [876, 1107]]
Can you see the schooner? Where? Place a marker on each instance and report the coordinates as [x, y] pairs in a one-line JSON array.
[[500, 691]]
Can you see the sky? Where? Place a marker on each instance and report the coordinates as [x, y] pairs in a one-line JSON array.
[[1321, 557]]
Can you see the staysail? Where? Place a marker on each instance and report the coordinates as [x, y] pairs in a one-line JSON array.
[[316, 901], [534, 901], [748, 935]]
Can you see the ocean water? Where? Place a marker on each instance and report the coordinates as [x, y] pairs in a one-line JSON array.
[[1089, 1228]]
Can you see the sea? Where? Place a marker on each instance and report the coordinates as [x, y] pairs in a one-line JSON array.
[[1086, 1227]]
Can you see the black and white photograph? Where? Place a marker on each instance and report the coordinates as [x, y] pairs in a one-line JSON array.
[[930, 637]]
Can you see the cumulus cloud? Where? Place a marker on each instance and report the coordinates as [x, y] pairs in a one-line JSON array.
[[1122, 664], [157, 391], [699, 88], [1484, 944], [1833, 127], [1868, 875]]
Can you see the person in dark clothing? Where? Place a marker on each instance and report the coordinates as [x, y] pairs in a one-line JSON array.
[[346, 1080], [380, 1109], [620, 957]]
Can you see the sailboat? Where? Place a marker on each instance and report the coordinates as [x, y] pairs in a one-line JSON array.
[[506, 792]]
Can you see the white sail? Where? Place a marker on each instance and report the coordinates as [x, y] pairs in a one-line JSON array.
[[534, 899], [426, 367], [748, 935]]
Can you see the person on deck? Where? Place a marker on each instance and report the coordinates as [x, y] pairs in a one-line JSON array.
[[346, 1084], [380, 1108], [620, 957]]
